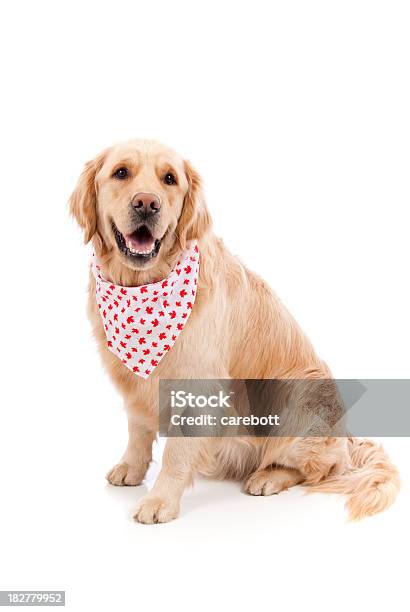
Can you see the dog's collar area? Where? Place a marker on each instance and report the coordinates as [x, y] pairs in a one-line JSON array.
[[143, 323]]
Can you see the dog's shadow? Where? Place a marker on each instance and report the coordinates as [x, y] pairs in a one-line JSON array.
[[128, 496], [206, 493], [202, 494]]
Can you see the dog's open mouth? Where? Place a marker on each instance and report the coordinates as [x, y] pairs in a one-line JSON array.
[[140, 245]]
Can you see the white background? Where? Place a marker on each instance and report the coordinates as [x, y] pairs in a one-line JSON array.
[[297, 116]]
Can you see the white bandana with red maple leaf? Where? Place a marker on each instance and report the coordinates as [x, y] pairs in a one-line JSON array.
[[143, 323]]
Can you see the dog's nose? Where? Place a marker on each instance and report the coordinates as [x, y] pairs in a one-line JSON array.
[[146, 201]]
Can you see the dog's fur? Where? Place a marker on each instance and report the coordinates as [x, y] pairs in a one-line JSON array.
[[240, 329]]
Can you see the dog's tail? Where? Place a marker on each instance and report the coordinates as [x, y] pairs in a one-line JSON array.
[[371, 481]]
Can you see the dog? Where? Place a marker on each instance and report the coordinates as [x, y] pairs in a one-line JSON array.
[[142, 206]]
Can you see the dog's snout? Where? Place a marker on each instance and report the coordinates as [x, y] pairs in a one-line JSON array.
[[146, 202]]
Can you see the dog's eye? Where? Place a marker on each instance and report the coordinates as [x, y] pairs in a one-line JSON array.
[[121, 173], [169, 179]]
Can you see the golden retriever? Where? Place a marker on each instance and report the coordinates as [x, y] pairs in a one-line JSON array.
[[237, 325]]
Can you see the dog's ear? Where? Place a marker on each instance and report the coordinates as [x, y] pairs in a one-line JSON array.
[[195, 219], [83, 201]]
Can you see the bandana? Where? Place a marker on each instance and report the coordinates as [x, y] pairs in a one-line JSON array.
[[142, 323]]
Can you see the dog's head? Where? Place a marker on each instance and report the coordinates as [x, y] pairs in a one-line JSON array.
[[140, 202]]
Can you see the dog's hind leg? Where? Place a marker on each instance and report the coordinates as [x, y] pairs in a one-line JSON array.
[[272, 480]]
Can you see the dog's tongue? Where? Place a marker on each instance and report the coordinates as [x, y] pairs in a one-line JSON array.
[[141, 241]]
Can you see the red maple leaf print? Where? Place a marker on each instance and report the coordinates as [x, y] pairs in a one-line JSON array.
[[126, 308]]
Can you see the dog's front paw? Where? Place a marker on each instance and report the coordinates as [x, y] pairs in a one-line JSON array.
[[124, 474], [156, 510]]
